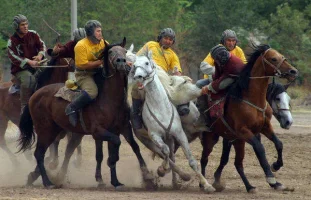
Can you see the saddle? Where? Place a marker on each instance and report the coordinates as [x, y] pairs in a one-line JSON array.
[[69, 92]]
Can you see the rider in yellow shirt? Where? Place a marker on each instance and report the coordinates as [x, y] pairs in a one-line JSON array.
[[86, 53], [229, 40], [166, 58]]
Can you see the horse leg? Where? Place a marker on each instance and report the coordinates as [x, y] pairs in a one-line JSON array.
[[261, 156], [99, 159], [208, 140], [183, 142], [157, 140], [53, 157], [113, 151], [226, 147], [71, 146], [279, 148], [147, 176], [239, 146], [3, 145], [78, 159]]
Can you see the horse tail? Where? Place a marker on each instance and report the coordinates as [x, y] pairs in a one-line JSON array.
[[27, 136]]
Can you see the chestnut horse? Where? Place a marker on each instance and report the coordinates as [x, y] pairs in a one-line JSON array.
[[248, 113], [104, 119], [10, 105]]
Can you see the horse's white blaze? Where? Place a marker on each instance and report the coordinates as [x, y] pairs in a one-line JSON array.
[[281, 105]]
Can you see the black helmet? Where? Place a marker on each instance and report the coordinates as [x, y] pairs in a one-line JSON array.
[[79, 34], [18, 19], [220, 53], [166, 32], [90, 27], [227, 34]]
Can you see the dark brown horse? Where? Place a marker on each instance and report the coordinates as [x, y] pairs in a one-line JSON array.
[[248, 114], [104, 119], [10, 105]]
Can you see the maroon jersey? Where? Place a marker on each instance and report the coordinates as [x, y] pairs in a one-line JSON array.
[[233, 66], [20, 50]]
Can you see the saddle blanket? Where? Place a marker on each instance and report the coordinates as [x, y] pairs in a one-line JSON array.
[[216, 106], [67, 94]]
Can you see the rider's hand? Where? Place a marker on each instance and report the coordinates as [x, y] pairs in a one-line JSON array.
[[205, 90], [37, 57], [56, 50], [33, 63]]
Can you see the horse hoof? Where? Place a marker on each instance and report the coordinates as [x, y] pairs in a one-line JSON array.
[[52, 186], [53, 165], [185, 177], [150, 185], [280, 187], [209, 189], [252, 190], [101, 185], [120, 188], [161, 171], [219, 186]]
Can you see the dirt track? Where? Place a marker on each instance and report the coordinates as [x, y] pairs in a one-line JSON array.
[[80, 183]]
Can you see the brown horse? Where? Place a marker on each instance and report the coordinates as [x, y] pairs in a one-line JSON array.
[[247, 113], [10, 105], [104, 119]]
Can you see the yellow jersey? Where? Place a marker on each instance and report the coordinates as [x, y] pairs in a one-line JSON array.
[[86, 51], [165, 58]]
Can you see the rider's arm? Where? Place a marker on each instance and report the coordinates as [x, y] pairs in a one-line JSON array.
[[207, 65]]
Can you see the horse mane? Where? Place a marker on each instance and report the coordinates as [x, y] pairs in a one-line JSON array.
[[100, 75], [43, 77], [273, 90], [242, 82]]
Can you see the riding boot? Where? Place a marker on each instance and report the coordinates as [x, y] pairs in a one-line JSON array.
[[137, 121], [183, 109], [202, 106], [82, 100], [25, 94]]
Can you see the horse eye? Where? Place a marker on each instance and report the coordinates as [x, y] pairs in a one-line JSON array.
[[274, 59], [278, 99], [147, 63]]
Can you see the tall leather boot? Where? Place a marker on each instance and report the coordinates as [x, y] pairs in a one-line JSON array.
[[202, 106], [137, 121], [25, 94], [81, 101]]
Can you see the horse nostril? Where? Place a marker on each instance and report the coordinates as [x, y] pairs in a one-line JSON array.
[[118, 60], [293, 72]]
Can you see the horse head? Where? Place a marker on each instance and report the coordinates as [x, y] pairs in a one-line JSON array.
[[279, 101], [144, 69], [275, 63], [114, 55]]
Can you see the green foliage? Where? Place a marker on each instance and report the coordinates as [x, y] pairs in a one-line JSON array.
[[285, 25]]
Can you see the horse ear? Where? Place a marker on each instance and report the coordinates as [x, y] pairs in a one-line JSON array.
[[123, 42], [149, 56], [131, 48]]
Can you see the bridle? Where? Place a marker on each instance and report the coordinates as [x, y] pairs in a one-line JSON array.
[[276, 68], [150, 74]]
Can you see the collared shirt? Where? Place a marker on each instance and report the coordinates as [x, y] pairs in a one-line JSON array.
[[165, 58]]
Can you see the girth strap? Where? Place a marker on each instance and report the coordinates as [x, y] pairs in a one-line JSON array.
[[167, 130]]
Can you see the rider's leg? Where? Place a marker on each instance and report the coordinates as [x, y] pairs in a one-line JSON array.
[[28, 83], [137, 103], [89, 92]]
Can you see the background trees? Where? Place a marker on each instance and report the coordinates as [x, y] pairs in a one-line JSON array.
[[198, 24]]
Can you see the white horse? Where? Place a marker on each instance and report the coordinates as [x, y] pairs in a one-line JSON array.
[[161, 118]]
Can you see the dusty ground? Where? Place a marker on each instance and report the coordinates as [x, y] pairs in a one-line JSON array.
[[80, 183]]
